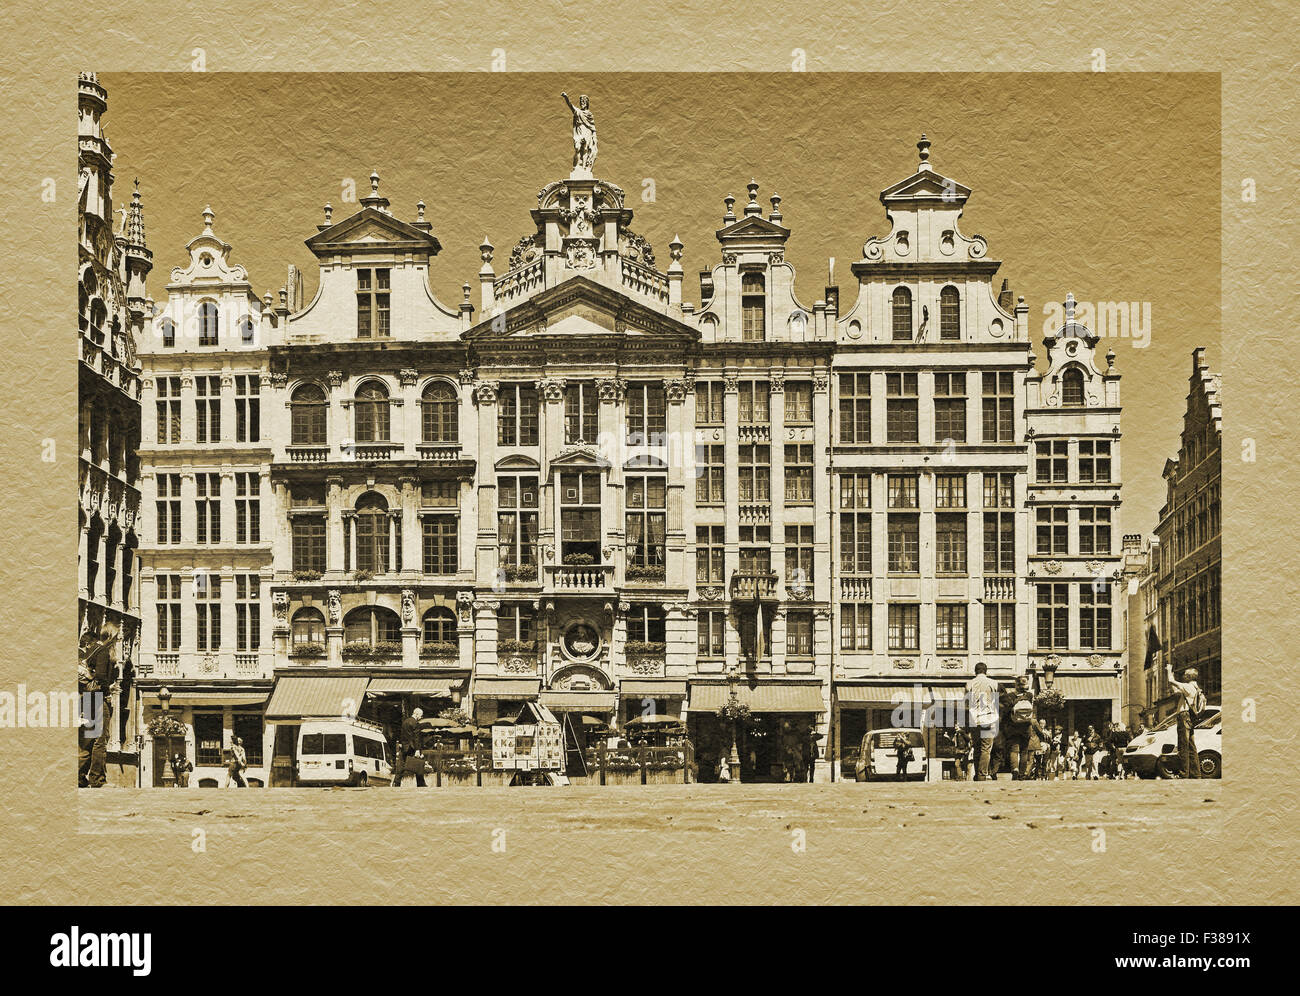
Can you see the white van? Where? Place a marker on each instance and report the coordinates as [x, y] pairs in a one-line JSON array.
[[879, 755], [338, 752]]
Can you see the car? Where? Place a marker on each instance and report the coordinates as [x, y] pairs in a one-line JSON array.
[[879, 757], [1154, 754]]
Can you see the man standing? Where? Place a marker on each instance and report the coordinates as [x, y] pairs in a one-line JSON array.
[[982, 718], [1018, 727], [1191, 703], [238, 762], [412, 760]]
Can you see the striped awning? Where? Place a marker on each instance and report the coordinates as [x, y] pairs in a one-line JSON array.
[[881, 694], [580, 701], [652, 688], [770, 696], [440, 687], [506, 688], [317, 697], [1086, 686], [215, 697]]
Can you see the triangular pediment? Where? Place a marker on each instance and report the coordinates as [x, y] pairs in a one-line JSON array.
[[754, 226], [926, 185], [371, 228]]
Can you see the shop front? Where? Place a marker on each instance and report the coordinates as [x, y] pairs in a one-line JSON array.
[[859, 708], [298, 698], [390, 699], [200, 726], [1090, 700], [775, 737], [494, 698]]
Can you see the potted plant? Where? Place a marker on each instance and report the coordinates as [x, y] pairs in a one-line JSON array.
[[579, 559], [385, 649], [363, 575], [517, 647], [1050, 701], [521, 573], [306, 575], [439, 648], [309, 649], [645, 574]]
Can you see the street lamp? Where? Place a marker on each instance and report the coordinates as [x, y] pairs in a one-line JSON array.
[[165, 701], [1049, 672]]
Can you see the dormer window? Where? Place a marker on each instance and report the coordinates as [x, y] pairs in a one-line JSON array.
[[373, 304], [1072, 388], [902, 313], [950, 313], [753, 308], [208, 323]]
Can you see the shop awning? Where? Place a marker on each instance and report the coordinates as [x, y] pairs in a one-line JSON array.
[[1086, 686], [652, 688], [439, 687], [882, 694], [580, 701], [506, 688], [231, 698], [317, 697], [768, 696]]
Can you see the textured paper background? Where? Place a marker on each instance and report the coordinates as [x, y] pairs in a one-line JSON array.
[[1244, 855]]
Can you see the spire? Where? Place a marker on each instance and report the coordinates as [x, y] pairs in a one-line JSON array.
[[923, 147], [1069, 307], [135, 219]]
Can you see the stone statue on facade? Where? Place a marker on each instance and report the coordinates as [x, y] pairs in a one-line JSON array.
[[584, 134]]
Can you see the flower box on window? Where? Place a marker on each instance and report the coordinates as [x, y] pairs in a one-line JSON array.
[[579, 559], [517, 647], [439, 649], [363, 575], [643, 648], [356, 652], [306, 575], [645, 574], [521, 572], [385, 649], [307, 649]]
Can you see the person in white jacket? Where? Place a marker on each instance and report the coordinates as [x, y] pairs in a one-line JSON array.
[[982, 718]]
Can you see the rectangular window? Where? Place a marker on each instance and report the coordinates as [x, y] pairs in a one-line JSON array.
[[581, 407], [904, 627], [1053, 616], [169, 410], [903, 491], [207, 409], [1052, 534], [248, 618], [207, 506], [1094, 461], [950, 491], [167, 600], [711, 625], [647, 415], [646, 624], [904, 543], [855, 408], [798, 474], [248, 507], [755, 473], [516, 621], [756, 550], [440, 494], [373, 303], [169, 508], [1051, 461], [207, 737], [248, 408], [710, 474], [999, 490], [309, 543], [708, 402], [950, 542], [950, 408], [1094, 615], [710, 554], [517, 504], [753, 400], [799, 555], [647, 520], [753, 325], [855, 626], [901, 419], [999, 407], [580, 531], [441, 542], [207, 605], [999, 542], [950, 626], [855, 524], [799, 633], [798, 402], [517, 415], [999, 626], [1094, 530]]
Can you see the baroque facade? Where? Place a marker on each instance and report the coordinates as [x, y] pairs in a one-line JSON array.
[[582, 490], [112, 306]]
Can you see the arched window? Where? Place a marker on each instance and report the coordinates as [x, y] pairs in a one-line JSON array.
[[1072, 387], [950, 313], [307, 416], [168, 329], [902, 310], [208, 323], [308, 626], [438, 414], [371, 524], [440, 626], [371, 413], [247, 331], [372, 624], [753, 308]]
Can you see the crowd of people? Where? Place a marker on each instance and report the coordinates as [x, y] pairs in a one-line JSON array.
[[1050, 753]]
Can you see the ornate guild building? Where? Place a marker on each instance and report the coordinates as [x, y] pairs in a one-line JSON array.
[[576, 488]]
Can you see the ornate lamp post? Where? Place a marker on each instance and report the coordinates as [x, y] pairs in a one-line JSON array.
[[165, 700]]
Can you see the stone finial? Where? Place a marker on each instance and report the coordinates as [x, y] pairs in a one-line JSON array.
[[923, 147], [485, 251], [419, 211], [775, 216], [752, 207], [329, 213], [730, 214], [208, 219], [135, 219], [675, 248], [1069, 308], [374, 184], [1110, 360]]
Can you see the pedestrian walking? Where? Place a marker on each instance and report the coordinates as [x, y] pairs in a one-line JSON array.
[[1191, 703], [1120, 740], [181, 769], [982, 718], [1020, 727], [1075, 755], [812, 754], [960, 753], [412, 759], [903, 755], [1091, 748], [237, 763]]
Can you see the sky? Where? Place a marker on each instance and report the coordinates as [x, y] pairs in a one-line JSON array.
[[1105, 185]]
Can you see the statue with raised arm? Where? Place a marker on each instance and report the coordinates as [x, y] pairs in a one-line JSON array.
[[584, 133]]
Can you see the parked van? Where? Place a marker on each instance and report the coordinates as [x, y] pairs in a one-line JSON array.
[[879, 755], [338, 752]]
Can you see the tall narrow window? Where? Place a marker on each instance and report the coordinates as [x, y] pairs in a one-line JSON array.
[[207, 605], [1051, 461], [902, 314], [207, 409], [710, 474], [167, 599], [248, 507], [169, 508], [798, 473], [950, 523], [1072, 387], [581, 405], [949, 313], [799, 633], [855, 524], [1053, 616], [371, 416], [999, 625], [646, 521], [799, 555], [1094, 615], [517, 415], [440, 537], [904, 528], [168, 328], [1094, 461], [308, 532], [855, 626], [855, 408], [999, 524], [798, 402], [708, 402], [950, 626], [753, 307], [248, 408], [517, 521], [710, 554], [950, 407], [711, 627], [248, 619], [999, 407], [169, 409], [901, 414], [307, 410], [904, 627], [371, 525], [755, 473], [438, 414], [1052, 531], [372, 303], [646, 415], [1094, 531], [207, 507], [753, 402], [580, 532], [208, 323]]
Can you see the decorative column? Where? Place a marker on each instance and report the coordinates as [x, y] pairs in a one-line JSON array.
[[680, 434], [412, 529], [731, 497], [334, 627], [485, 396], [550, 437], [410, 630], [823, 496], [336, 529]]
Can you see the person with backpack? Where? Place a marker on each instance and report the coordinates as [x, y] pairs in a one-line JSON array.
[[1191, 703], [1020, 728]]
